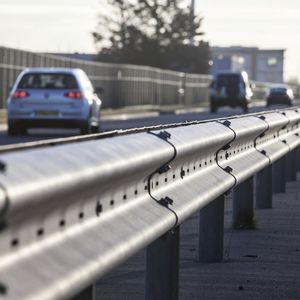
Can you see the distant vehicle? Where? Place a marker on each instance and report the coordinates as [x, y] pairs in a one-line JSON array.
[[53, 97], [280, 94], [230, 89]]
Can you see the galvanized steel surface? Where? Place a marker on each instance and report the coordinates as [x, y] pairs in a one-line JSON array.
[[70, 213]]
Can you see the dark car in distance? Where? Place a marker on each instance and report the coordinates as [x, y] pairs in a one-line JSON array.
[[230, 89], [280, 95]]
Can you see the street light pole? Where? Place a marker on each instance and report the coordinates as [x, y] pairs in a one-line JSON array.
[[193, 8], [192, 12]]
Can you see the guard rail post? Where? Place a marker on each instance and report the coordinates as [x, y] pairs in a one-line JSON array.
[[162, 267], [87, 294], [2, 79], [243, 209], [211, 231], [264, 188], [291, 166], [297, 159], [278, 174]]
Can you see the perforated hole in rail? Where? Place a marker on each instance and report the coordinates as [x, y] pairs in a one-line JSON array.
[[98, 208], [14, 242], [62, 223], [40, 232]]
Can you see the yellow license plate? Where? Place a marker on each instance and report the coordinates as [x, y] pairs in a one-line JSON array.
[[47, 113]]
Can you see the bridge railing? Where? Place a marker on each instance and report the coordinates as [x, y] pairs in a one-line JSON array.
[[124, 85], [71, 212]]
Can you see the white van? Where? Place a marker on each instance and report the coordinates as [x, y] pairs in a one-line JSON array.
[[230, 89]]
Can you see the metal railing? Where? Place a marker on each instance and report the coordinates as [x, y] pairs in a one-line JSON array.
[[123, 85], [92, 204]]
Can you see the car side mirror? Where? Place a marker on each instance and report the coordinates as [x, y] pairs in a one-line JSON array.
[[99, 90]]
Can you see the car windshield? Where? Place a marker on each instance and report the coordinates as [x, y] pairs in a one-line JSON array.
[[48, 81]]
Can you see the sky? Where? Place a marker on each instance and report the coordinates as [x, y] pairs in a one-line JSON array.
[[66, 25]]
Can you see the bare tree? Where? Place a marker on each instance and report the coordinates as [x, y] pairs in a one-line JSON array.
[[150, 32]]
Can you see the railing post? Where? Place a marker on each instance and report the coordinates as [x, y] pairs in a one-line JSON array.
[[87, 294], [291, 168], [1, 78], [243, 210], [297, 150], [162, 265], [278, 175], [264, 188], [211, 231]]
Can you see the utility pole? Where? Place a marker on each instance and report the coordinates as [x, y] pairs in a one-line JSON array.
[[192, 8], [192, 12]]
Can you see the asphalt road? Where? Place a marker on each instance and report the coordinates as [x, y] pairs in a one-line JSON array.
[[125, 123], [261, 264]]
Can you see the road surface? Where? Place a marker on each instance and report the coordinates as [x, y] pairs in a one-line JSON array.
[[123, 122]]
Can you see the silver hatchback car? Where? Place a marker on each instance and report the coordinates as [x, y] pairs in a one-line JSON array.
[[53, 97]]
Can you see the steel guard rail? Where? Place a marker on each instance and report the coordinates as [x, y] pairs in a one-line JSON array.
[[73, 212]]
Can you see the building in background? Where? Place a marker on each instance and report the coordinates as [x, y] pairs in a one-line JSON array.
[[261, 65]]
